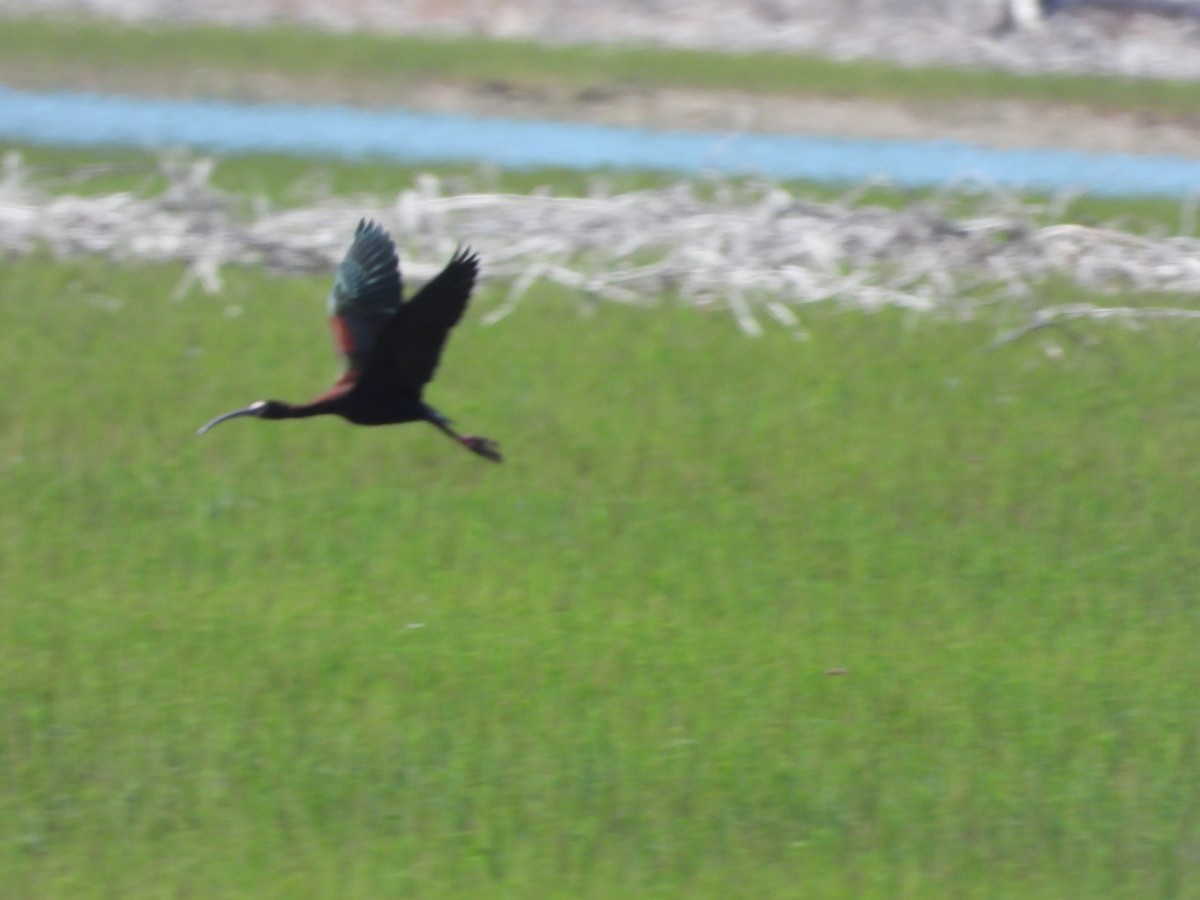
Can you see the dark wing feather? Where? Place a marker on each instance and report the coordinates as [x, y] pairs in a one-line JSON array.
[[365, 295], [408, 348]]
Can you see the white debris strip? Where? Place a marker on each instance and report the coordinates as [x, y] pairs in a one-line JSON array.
[[1066, 313], [754, 249]]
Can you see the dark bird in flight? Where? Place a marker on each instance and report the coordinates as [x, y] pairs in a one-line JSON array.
[[391, 348]]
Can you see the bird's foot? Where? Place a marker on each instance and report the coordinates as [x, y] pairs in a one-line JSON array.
[[485, 447]]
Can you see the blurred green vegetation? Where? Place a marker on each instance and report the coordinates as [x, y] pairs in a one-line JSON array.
[[871, 614], [307, 659], [215, 61]]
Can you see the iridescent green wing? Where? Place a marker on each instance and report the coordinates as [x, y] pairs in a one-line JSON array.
[[365, 295]]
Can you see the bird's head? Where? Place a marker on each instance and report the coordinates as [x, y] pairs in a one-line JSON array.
[[260, 409]]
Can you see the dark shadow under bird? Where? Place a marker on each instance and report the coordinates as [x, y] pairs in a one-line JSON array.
[[391, 348]]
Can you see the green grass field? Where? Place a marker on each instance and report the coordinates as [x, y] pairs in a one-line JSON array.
[[306, 659], [878, 613]]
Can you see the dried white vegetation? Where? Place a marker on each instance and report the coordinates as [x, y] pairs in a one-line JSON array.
[[755, 249]]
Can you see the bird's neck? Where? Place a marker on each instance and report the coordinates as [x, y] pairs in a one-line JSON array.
[[319, 407], [330, 402]]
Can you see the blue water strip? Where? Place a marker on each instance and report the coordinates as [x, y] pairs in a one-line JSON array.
[[85, 119]]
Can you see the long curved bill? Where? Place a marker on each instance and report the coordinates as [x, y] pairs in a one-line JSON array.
[[254, 409]]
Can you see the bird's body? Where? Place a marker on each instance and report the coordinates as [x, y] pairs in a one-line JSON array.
[[391, 348]]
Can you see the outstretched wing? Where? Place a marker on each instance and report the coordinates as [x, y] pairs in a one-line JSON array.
[[365, 295], [409, 346]]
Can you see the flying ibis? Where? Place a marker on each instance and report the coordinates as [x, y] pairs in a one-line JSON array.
[[391, 347]]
